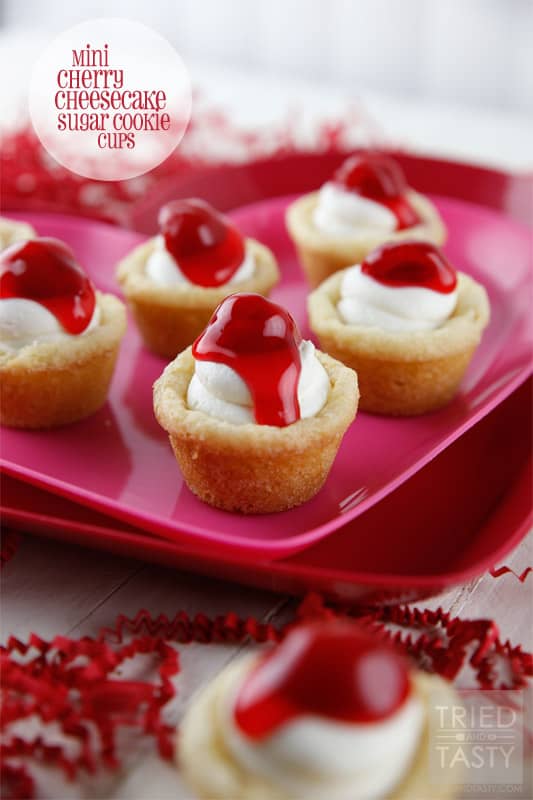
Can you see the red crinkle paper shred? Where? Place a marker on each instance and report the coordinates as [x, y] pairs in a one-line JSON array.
[[74, 683], [33, 181], [498, 572], [438, 642]]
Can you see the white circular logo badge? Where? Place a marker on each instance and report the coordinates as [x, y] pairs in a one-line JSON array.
[[110, 99]]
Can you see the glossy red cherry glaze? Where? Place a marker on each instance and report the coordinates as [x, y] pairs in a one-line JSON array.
[[381, 179], [411, 264], [206, 247], [330, 669], [259, 340], [45, 270]]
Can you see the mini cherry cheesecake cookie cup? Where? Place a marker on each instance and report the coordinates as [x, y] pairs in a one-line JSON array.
[[174, 282], [59, 337], [406, 321], [255, 415], [366, 203], [331, 712]]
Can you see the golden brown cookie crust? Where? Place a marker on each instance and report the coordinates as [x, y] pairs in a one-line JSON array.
[[254, 469], [403, 373], [54, 383], [322, 254], [12, 231], [212, 772], [170, 318]]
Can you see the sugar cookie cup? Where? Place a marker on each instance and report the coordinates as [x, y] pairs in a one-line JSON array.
[[322, 254], [54, 383], [210, 768], [170, 318], [403, 373], [251, 468]]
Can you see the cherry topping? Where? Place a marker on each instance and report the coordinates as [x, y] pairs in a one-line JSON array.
[[381, 179], [45, 270], [411, 264], [330, 669], [259, 340], [206, 246]]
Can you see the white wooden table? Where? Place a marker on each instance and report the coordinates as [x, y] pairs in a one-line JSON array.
[[52, 588]]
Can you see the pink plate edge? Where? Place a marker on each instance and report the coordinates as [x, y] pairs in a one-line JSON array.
[[275, 549], [364, 578]]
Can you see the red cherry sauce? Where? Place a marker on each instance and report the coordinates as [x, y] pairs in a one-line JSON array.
[[206, 247], [45, 270], [330, 669], [411, 264], [381, 179], [259, 340]]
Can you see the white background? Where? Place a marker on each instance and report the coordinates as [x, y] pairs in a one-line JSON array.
[[471, 52], [450, 78]]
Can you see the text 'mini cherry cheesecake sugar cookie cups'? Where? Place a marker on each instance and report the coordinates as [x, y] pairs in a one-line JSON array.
[[407, 321], [255, 415], [59, 337], [332, 712], [366, 203], [174, 282]]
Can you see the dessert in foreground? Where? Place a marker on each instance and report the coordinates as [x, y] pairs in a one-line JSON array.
[[331, 712], [174, 282], [255, 415], [406, 321], [59, 337], [12, 230], [366, 203]]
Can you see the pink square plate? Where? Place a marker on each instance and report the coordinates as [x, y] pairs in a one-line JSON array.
[[119, 461], [455, 518]]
